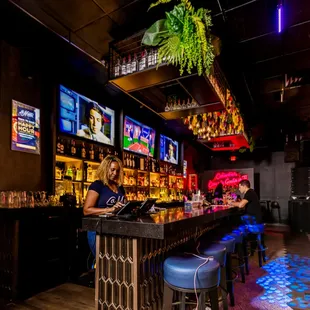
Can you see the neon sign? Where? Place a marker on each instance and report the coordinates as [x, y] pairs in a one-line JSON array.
[[228, 179]]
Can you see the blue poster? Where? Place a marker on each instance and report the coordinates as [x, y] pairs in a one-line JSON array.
[[25, 128]]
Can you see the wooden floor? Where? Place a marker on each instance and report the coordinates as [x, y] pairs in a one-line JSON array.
[[64, 297]]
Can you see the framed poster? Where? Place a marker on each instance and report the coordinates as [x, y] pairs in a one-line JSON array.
[[25, 128]]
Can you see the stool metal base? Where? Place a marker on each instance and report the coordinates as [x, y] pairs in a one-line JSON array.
[[170, 289]]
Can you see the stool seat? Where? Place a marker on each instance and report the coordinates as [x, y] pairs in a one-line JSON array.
[[256, 229], [248, 219], [229, 242], [218, 251], [238, 235], [179, 271], [243, 229]]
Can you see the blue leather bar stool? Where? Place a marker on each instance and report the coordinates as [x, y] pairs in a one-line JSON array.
[[239, 236], [218, 251], [191, 274], [244, 231], [229, 242], [257, 231]]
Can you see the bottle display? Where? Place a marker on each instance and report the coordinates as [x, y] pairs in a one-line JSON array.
[[132, 63]]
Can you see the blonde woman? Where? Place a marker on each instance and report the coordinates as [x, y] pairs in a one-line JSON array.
[[106, 195]]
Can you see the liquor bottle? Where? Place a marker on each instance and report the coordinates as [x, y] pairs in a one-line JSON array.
[[155, 58], [134, 64], [133, 162], [89, 173], [83, 150], [91, 152], [183, 105], [117, 68], [59, 146], [100, 154], [150, 59], [85, 172], [129, 65], [142, 62], [124, 160], [124, 67], [73, 148], [128, 161], [142, 163]]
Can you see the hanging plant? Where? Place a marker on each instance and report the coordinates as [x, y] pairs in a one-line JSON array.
[[183, 38]]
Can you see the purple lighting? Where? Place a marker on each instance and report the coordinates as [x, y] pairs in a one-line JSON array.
[[280, 21]]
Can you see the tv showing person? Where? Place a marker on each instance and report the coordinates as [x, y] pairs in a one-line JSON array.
[[169, 150], [95, 123], [83, 117], [170, 157]]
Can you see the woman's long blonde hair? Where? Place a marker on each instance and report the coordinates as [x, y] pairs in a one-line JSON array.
[[103, 170]]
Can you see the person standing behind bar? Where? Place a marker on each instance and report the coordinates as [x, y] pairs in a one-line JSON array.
[[250, 201], [106, 195]]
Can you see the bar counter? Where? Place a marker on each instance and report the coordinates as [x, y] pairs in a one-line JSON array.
[[129, 254]]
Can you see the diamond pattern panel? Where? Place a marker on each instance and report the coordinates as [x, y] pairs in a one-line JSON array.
[[130, 270]]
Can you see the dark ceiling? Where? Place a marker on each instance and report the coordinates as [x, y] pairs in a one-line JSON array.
[[255, 57]]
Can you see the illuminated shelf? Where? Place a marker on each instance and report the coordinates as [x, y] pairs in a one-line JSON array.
[[67, 159], [92, 162]]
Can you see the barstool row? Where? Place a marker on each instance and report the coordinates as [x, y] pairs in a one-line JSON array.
[[211, 271]]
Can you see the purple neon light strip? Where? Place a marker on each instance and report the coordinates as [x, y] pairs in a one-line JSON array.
[[279, 19]]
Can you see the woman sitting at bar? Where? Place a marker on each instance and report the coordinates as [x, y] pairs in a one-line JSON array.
[[106, 195]]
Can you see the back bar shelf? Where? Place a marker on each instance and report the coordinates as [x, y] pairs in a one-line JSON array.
[[134, 70]]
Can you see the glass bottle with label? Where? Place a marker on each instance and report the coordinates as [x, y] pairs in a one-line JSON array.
[[129, 65], [117, 68], [124, 67], [142, 62], [134, 64], [150, 59], [83, 150]]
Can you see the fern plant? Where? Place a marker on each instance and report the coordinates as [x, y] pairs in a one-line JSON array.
[[183, 38]]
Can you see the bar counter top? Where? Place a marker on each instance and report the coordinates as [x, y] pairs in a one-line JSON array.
[[156, 226]]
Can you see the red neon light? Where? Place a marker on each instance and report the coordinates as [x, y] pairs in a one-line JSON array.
[[228, 179]]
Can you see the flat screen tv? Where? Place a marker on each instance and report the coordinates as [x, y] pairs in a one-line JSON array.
[[169, 150], [138, 138], [85, 118]]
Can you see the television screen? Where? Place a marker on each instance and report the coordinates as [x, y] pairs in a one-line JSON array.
[[138, 138], [169, 150], [82, 117]]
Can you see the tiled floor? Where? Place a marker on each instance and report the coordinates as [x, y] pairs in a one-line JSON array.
[[283, 283]]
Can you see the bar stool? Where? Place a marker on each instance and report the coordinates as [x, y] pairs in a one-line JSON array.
[[257, 230], [239, 236], [189, 274], [229, 243], [218, 251], [244, 231]]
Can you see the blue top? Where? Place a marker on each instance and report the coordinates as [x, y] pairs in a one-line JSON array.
[[107, 198]]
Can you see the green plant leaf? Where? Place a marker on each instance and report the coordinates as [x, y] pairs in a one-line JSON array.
[[175, 19], [155, 33], [158, 3]]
